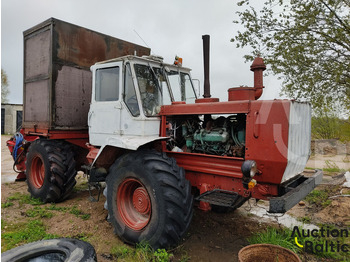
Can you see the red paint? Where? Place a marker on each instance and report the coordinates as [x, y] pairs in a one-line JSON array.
[[267, 129], [241, 93], [230, 107], [258, 67], [134, 204], [37, 171], [207, 100]]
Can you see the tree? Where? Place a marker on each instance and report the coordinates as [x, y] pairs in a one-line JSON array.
[[4, 87], [307, 43]]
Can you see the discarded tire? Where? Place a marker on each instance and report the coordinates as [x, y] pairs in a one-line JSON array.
[[62, 249], [267, 252]]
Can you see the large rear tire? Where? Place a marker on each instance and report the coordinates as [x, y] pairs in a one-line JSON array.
[[149, 199], [50, 170]]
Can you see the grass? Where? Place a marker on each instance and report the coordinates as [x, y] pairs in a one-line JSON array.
[[319, 198], [24, 199], [279, 237], [79, 213], [142, 252], [283, 237], [16, 234], [305, 220], [41, 210]]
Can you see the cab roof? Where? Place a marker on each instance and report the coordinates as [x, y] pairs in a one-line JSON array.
[[149, 59]]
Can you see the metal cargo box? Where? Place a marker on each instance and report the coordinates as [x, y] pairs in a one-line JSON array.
[[57, 77]]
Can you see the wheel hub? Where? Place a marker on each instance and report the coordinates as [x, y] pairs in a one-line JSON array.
[[134, 204], [38, 172], [141, 200]]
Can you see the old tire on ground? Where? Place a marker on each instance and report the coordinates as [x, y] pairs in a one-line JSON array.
[[149, 199], [63, 249], [50, 170]]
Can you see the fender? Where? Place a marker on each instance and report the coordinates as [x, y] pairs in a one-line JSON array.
[[128, 142]]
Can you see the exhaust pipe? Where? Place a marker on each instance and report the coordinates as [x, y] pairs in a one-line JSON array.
[[206, 45], [206, 96]]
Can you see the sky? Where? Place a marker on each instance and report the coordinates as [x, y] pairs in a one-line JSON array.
[[168, 27]]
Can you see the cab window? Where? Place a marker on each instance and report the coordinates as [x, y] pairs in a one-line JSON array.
[[107, 84], [130, 98], [181, 86]]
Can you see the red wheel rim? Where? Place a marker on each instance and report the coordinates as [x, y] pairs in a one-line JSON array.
[[37, 172], [134, 204]]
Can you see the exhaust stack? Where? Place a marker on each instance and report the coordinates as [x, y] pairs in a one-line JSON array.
[[206, 48], [207, 96]]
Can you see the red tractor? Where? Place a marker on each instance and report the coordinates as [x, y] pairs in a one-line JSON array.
[[135, 123]]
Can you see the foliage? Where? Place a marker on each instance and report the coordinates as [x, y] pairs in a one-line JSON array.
[[307, 43], [327, 125], [4, 87]]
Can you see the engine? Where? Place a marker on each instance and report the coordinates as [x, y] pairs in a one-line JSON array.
[[215, 135]]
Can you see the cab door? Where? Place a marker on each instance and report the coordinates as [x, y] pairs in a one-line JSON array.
[[105, 107]]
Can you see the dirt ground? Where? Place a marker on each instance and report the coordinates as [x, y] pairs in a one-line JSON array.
[[211, 237]]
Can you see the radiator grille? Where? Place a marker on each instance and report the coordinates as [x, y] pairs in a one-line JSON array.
[[299, 139]]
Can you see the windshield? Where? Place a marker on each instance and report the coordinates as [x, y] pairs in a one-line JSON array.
[[153, 89], [181, 86]]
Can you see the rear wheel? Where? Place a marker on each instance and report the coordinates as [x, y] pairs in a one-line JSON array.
[[149, 199], [50, 170]]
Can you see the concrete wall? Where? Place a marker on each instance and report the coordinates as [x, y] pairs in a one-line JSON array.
[[10, 118]]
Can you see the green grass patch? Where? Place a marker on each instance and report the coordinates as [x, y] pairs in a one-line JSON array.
[[79, 213], [13, 235], [283, 237], [6, 204], [318, 198], [279, 237], [39, 212], [24, 199], [142, 252], [305, 220]]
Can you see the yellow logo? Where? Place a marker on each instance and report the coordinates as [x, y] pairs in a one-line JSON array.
[[296, 242]]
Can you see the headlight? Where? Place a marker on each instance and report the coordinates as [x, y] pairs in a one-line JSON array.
[[249, 168]]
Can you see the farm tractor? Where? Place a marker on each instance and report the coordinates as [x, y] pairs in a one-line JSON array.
[[135, 123]]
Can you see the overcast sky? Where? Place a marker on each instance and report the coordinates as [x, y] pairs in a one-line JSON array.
[[168, 27]]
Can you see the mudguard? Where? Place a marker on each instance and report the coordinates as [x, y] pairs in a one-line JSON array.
[[128, 142]]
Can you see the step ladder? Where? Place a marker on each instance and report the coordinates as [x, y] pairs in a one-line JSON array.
[[219, 197]]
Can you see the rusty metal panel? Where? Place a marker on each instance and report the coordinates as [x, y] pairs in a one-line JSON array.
[[83, 47], [36, 103], [37, 55], [60, 54], [72, 104]]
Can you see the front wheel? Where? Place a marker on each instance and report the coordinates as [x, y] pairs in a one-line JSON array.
[[149, 199]]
